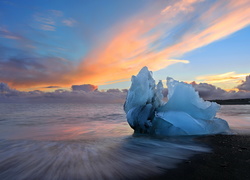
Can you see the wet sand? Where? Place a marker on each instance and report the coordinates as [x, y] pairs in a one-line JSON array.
[[229, 159]]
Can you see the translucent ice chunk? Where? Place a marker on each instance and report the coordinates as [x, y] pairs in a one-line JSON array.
[[181, 123], [185, 113], [183, 97], [141, 91], [142, 99]]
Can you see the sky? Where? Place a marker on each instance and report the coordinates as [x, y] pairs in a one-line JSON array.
[[46, 45]]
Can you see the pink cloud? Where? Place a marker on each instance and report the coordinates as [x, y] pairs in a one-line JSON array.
[[245, 86], [5, 33], [69, 22]]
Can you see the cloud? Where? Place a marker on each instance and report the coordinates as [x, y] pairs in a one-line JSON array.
[[56, 13], [4, 88], [223, 79], [7, 93], [52, 87], [84, 87], [48, 20], [80, 96], [47, 27], [208, 91], [245, 86], [69, 22], [125, 90], [211, 92], [5, 33], [87, 94], [22, 44], [34, 71], [157, 36], [220, 20], [113, 91], [45, 19], [180, 6]]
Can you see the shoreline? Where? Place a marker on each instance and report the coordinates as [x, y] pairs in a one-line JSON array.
[[229, 159], [245, 101]]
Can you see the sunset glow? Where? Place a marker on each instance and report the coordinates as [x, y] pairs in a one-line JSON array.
[[60, 47]]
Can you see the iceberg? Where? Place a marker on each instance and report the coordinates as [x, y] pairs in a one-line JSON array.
[[185, 113]]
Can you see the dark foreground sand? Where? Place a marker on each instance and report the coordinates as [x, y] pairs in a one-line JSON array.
[[229, 159]]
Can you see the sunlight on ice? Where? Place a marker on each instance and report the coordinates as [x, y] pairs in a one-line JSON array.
[[185, 113]]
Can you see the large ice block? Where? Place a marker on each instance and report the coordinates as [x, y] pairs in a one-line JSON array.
[[185, 113]]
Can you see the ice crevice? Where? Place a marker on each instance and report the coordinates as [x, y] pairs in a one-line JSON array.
[[185, 113]]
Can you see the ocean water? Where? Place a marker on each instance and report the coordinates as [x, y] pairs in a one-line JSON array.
[[237, 116], [90, 141]]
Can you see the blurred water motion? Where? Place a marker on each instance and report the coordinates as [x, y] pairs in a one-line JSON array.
[[112, 158], [79, 141]]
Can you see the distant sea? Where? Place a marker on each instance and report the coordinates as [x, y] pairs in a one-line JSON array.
[[91, 141]]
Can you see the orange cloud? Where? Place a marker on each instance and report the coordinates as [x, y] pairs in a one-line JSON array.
[[227, 80], [140, 41]]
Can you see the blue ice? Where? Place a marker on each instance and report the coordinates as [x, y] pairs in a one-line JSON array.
[[185, 113]]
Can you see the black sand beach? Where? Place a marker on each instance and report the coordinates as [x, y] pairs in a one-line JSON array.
[[229, 159]]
